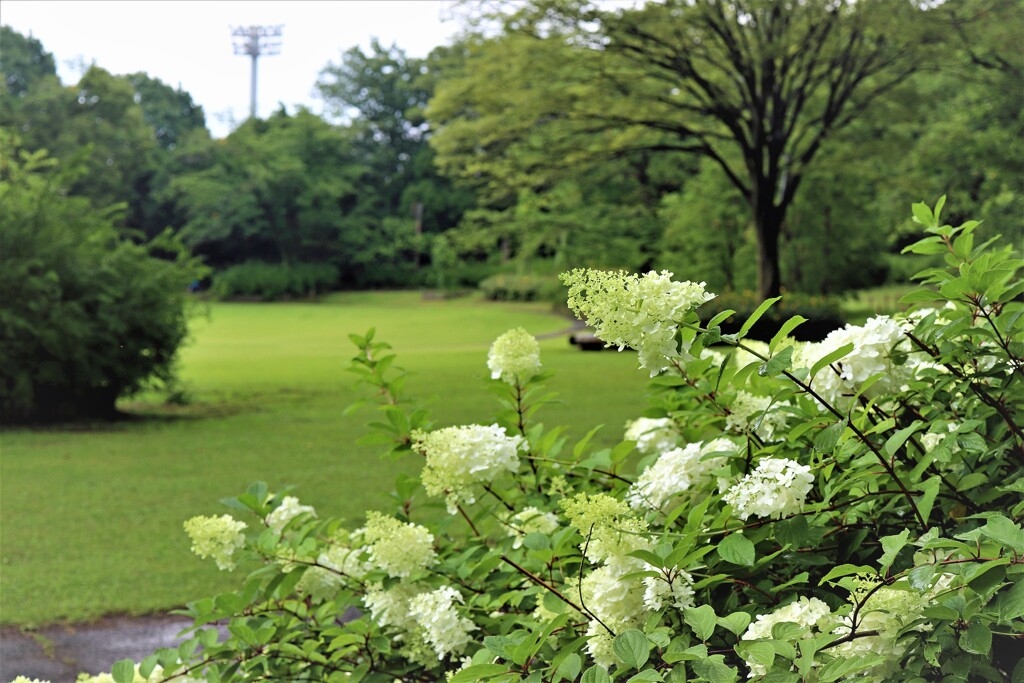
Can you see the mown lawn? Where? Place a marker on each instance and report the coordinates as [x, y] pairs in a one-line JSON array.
[[92, 514]]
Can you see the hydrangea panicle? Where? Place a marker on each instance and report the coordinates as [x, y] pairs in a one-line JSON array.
[[643, 312], [457, 458], [216, 537], [401, 550], [514, 356], [811, 613], [676, 472], [777, 487], [671, 587], [445, 630], [652, 435], [609, 528]]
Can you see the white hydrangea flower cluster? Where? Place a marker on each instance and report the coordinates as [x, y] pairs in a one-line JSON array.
[[390, 607], [459, 457], [872, 354], [612, 597], [25, 679], [613, 530], [530, 520], [216, 537], [401, 550], [811, 613], [750, 414], [672, 587], [514, 356], [288, 510], [677, 472], [777, 487], [652, 435], [445, 630], [639, 311]]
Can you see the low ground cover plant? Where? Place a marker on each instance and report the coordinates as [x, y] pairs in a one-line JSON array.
[[783, 511]]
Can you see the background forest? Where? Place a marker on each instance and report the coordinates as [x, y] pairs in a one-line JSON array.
[[448, 169]]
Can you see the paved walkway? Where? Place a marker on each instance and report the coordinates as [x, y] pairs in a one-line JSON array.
[[59, 653]]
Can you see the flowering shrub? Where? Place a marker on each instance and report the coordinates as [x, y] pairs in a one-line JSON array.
[[847, 510]]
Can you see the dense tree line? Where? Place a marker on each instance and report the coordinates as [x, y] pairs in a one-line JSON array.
[[751, 144]]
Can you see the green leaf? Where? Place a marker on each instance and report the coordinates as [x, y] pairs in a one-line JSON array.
[[479, 672], [842, 668], [632, 648], [891, 546], [759, 653], [569, 668], [536, 541], [1002, 530], [737, 622], [827, 360], [702, 620], [737, 549], [894, 442], [778, 363], [784, 331], [977, 639], [755, 316], [845, 570], [123, 671], [596, 674], [715, 670], [929, 490], [923, 215], [827, 439], [645, 675]]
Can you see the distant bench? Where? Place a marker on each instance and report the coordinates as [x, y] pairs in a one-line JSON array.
[[586, 340]]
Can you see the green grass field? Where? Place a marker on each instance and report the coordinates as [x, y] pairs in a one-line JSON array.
[[92, 514]]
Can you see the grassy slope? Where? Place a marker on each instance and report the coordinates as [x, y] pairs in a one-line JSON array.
[[92, 515]]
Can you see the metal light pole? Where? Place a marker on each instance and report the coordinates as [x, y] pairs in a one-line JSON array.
[[255, 41]]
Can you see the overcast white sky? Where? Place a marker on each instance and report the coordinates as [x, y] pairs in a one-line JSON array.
[[188, 42]]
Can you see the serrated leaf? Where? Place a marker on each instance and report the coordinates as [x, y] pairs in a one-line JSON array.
[[737, 549], [759, 653], [778, 363], [737, 622], [702, 620], [827, 439], [1002, 530], [977, 639], [632, 648], [596, 674], [715, 670]]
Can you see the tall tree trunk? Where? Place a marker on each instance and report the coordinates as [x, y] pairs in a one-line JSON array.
[[768, 225]]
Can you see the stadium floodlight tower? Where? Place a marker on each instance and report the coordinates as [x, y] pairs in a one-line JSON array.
[[256, 41]]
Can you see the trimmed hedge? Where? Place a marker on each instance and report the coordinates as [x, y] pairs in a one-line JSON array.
[[270, 281], [504, 287]]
